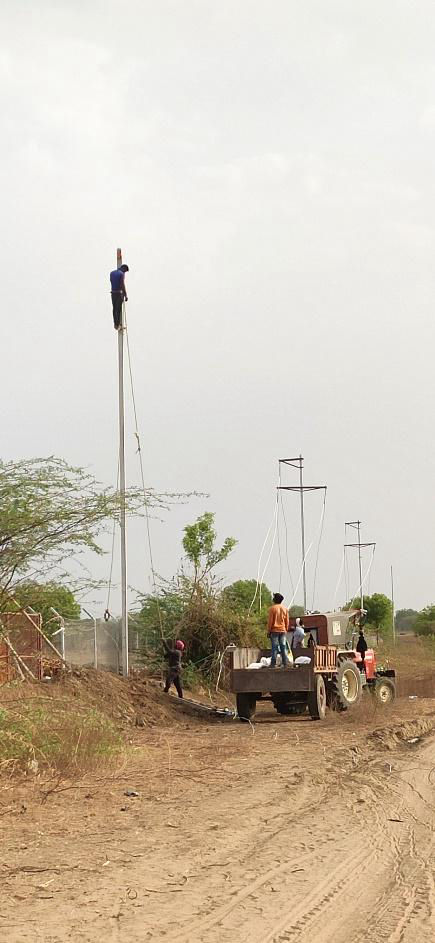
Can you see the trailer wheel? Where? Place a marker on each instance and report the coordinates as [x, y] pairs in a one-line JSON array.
[[246, 704], [385, 690], [346, 686], [317, 699]]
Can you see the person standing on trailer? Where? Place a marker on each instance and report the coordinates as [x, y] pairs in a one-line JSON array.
[[173, 657], [118, 293], [277, 628], [298, 635]]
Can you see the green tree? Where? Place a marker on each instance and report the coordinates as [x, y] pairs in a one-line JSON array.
[[160, 613], [296, 611], [194, 608], [49, 512], [425, 621], [41, 597], [238, 596], [405, 620], [379, 612], [199, 546]]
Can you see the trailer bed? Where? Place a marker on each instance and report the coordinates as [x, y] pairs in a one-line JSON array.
[[244, 680]]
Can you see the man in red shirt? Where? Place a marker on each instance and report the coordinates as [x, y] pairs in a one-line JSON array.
[[277, 627]]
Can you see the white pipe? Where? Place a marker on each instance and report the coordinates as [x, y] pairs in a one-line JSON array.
[[61, 630]]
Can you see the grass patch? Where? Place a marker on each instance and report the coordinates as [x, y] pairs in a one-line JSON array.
[[33, 738]]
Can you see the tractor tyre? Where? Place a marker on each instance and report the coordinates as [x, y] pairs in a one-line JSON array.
[[346, 686], [317, 699], [246, 705], [384, 690]]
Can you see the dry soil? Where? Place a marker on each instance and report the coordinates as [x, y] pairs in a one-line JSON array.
[[284, 831]]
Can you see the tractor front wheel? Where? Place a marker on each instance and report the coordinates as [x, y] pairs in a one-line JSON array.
[[317, 699], [385, 690], [246, 704]]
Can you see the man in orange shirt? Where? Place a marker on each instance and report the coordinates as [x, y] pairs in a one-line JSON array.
[[277, 627]]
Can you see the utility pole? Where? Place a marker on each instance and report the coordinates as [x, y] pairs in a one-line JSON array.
[[298, 463], [122, 515], [393, 618], [304, 573], [360, 546]]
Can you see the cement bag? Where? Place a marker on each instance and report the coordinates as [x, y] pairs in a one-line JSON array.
[[303, 660]]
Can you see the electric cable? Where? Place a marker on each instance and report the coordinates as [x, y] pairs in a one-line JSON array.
[[318, 549], [139, 452]]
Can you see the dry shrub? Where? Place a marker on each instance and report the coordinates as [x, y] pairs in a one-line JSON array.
[[63, 741], [207, 626]]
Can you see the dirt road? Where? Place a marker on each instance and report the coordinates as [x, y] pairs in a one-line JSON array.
[[289, 831]]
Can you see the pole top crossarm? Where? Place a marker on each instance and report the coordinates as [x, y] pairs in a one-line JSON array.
[[371, 544], [301, 487], [294, 462]]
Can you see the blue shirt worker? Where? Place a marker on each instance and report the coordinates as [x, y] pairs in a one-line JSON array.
[[298, 635], [118, 293]]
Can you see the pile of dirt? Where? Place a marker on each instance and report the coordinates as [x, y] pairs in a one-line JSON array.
[[139, 701], [408, 732]]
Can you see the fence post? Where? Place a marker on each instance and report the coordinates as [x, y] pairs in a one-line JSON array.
[[95, 636]]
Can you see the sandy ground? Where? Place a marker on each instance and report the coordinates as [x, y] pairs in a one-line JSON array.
[[285, 831]]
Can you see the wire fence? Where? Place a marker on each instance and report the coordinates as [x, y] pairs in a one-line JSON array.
[[25, 652]]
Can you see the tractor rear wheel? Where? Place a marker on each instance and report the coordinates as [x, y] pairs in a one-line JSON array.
[[346, 685], [317, 699], [385, 690], [246, 704]]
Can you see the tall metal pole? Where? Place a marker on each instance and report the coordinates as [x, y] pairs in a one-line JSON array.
[[304, 575], [393, 619], [122, 485], [358, 523]]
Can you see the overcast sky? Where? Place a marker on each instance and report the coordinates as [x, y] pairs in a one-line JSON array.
[[267, 169]]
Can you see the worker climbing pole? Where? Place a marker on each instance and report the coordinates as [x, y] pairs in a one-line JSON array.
[[119, 297], [118, 291]]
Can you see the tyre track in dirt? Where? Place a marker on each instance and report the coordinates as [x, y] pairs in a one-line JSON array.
[[299, 849], [370, 859]]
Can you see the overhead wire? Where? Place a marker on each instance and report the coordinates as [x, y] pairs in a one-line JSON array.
[[346, 569], [271, 546], [318, 549], [366, 574], [286, 542], [319, 529], [261, 557], [340, 574], [139, 452], [112, 556], [279, 552]]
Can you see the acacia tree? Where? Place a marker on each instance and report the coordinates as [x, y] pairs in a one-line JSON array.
[[50, 512], [199, 546], [190, 605], [42, 597]]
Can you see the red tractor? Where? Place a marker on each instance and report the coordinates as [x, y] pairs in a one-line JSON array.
[[329, 672]]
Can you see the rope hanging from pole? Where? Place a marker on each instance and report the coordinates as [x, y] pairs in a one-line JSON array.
[[139, 453]]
